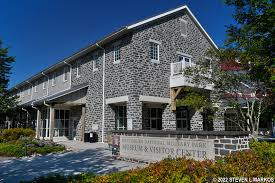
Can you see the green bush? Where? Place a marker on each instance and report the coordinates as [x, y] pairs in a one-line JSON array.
[[266, 150], [60, 178], [46, 149], [14, 134], [11, 150]]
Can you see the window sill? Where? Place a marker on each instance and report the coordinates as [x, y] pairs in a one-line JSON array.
[[155, 61], [183, 35], [116, 62]]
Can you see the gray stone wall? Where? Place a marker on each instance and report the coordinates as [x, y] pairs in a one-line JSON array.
[[135, 74]]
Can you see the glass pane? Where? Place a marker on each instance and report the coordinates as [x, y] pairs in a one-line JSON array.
[[179, 124], [66, 132], [181, 58], [67, 124], [61, 114], [61, 132], [184, 124], [67, 114], [153, 112], [159, 113], [184, 114], [153, 123], [159, 124]]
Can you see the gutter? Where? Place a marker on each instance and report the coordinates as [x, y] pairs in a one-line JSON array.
[[103, 92]]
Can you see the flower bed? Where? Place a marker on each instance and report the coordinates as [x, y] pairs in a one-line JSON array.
[[20, 142]]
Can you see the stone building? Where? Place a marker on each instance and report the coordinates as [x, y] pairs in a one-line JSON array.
[[128, 80]]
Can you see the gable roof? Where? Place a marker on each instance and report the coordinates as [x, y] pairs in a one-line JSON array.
[[113, 36]]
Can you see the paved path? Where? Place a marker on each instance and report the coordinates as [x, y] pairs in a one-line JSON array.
[[84, 157]]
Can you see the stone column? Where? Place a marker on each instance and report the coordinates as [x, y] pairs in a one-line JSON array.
[[38, 123], [51, 122], [168, 119], [196, 122], [82, 119], [218, 121], [134, 113]]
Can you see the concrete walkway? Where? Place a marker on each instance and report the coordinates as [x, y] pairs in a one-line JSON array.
[[84, 157]]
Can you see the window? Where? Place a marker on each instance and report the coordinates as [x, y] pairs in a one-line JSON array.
[[35, 86], [185, 59], [62, 120], [121, 118], [117, 55], [54, 79], [208, 62], [29, 90], [232, 122], [155, 118], [182, 118], [65, 74], [183, 27], [78, 69], [95, 62], [154, 50], [44, 83]]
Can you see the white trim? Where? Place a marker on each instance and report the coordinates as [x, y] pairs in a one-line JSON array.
[[144, 98], [158, 48], [117, 99], [155, 41], [184, 54]]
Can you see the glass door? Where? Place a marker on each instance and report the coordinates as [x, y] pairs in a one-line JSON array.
[[182, 119]]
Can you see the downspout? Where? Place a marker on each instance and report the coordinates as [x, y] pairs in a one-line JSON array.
[[103, 92], [48, 82], [23, 109], [70, 65]]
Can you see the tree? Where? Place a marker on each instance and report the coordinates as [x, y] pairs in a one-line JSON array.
[[7, 101], [233, 88], [254, 36]]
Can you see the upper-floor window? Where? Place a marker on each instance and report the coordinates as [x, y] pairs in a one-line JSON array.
[[65, 74], [44, 83], [117, 52], [35, 86], [154, 50], [22, 93], [54, 79], [207, 61], [78, 70], [185, 59], [183, 27], [95, 62], [29, 90]]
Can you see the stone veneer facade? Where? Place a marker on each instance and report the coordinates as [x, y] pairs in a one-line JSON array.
[[136, 74]]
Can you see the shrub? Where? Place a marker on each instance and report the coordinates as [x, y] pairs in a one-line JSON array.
[[265, 150], [11, 150], [60, 178], [14, 134]]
